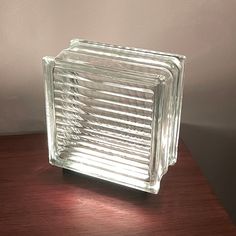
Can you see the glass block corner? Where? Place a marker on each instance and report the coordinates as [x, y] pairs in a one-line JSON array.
[[114, 112]]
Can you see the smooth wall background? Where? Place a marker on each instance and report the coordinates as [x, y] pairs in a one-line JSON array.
[[203, 30]]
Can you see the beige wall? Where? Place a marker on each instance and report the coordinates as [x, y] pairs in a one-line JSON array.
[[203, 30]]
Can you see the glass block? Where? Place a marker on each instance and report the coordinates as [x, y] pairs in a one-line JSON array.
[[114, 112]]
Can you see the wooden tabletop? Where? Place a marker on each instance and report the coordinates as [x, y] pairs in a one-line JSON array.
[[38, 199]]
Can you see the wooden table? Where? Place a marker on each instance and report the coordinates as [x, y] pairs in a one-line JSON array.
[[37, 199]]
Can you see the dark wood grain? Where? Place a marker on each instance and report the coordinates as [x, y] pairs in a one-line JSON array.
[[37, 199]]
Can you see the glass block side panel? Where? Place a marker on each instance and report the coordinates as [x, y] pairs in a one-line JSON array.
[[113, 112]]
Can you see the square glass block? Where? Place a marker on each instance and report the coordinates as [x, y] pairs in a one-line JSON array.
[[114, 112]]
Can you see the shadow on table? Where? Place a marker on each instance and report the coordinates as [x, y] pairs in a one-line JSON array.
[[215, 152]]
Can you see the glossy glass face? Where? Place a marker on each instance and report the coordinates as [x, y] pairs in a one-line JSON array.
[[113, 112]]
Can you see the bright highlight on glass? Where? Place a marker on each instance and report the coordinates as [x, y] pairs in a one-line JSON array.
[[114, 112]]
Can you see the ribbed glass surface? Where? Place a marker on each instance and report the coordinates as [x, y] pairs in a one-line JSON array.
[[113, 112]]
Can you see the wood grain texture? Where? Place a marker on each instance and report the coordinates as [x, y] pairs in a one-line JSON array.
[[37, 199]]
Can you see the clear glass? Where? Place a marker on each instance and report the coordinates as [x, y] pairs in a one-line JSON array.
[[114, 112]]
